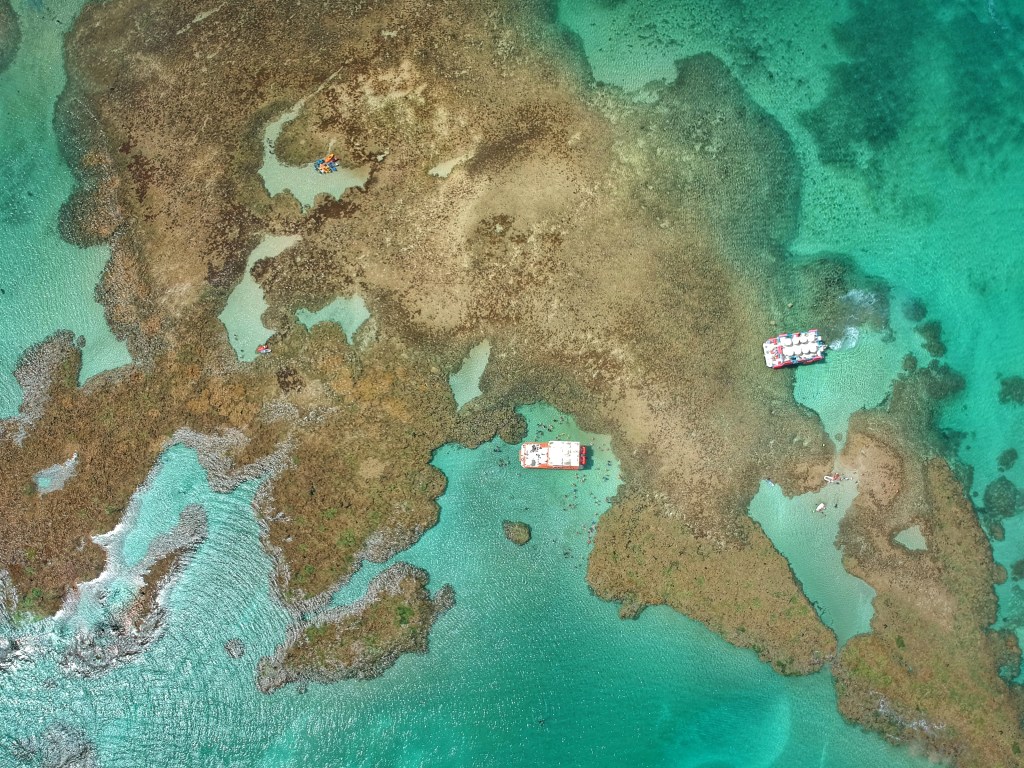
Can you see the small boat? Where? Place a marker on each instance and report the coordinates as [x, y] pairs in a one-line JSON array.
[[794, 349], [263, 349], [820, 507], [835, 477], [327, 164], [557, 454]]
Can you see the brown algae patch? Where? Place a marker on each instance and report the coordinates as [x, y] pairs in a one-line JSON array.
[[516, 532]]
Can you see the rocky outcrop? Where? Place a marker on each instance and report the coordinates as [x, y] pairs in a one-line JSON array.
[[362, 640], [518, 533]]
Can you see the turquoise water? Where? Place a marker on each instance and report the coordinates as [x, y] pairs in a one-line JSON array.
[[465, 382], [528, 668], [348, 312], [807, 539], [243, 313], [905, 119], [45, 283]]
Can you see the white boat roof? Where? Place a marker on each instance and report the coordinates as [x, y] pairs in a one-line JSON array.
[[557, 453], [563, 453]]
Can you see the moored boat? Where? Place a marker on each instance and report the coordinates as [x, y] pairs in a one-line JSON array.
[[794, 349], [327, 164], [557, 454]]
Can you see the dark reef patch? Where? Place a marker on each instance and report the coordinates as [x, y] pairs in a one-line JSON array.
[[871, 95], [892, 51], [1011, 390], [1007, 459], [1002, 498], [931, 332], [10, 34]]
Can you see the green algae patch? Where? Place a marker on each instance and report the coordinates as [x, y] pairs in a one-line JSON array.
[[362, 640]]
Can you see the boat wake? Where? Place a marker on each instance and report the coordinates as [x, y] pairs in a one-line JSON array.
[[851, 336]]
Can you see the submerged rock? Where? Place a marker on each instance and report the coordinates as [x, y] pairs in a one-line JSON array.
[[1001, 498], [518, 533], [59, 746], [1011, 390], [234, 648], [1007, 459]]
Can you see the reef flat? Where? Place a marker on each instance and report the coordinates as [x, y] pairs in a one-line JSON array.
[[566, 190], [363, 639], [931, 665], [613, 252]]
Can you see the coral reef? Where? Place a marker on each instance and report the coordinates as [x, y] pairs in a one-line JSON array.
[[518, 533], [361, 640]]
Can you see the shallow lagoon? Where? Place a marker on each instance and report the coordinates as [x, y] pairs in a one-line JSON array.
[[45, 283], [465, 382], [528, 668], [303, 181], [242, 315]]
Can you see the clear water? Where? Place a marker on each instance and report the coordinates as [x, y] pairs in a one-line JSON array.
[[303, 182], [807, 539], [859, 375], [348, 312], [528, 668], [243, 313], [912, 538], [465, 382], [45, 283]]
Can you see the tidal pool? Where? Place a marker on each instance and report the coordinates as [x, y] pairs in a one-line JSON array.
[[303, 181], [807, 540], [242, 315], [465, 382], [348, 312]]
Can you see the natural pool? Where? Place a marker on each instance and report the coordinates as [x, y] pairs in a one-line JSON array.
[[242, 315], [303, 181], [348, 312], [806, 538], [465, 382]]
